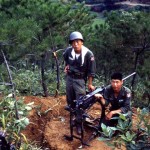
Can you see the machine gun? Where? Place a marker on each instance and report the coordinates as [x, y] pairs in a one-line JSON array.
[[78, 115]]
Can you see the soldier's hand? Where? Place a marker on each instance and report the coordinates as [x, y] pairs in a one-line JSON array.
[[66, 69], [91, 87], [98, 96], [109, 115]]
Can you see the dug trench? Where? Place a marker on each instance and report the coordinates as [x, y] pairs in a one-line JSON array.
[[49, 122]]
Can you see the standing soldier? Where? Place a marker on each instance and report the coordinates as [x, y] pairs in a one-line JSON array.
[[80, 68]]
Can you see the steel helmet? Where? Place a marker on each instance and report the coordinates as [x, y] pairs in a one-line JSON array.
[[75, 35]]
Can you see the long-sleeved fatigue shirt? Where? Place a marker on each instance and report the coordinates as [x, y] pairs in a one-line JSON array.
[[122, 101], [83, 65]]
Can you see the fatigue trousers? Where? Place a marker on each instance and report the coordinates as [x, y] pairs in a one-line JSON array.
[[114, 122], [75, 88]]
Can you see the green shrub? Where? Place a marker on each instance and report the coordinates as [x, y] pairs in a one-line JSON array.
[[10, 125]]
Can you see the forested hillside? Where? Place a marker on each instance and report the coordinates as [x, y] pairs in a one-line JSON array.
[[35, 33]]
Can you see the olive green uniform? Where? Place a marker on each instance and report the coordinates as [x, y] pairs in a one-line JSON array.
[[122, 101], [79, 70]]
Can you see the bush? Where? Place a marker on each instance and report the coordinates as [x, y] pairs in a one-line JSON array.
[[10, 125]]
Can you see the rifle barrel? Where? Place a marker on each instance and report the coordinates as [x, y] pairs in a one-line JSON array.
[[129, 76]]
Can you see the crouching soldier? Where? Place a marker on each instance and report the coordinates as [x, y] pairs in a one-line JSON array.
[[118, 96]]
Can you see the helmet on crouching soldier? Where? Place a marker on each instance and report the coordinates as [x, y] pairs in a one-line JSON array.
[[74, 36]]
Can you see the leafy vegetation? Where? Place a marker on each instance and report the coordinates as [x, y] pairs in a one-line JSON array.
[[11, 127], [132, 138]]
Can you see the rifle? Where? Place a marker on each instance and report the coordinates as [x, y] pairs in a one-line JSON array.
[[78, 115]]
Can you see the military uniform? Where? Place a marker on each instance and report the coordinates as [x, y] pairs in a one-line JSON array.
[[80, 67], [122, 101]]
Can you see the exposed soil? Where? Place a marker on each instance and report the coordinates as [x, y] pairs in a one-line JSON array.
[[50, 122]]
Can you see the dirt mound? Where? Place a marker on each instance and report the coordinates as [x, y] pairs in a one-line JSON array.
[[50, 122]]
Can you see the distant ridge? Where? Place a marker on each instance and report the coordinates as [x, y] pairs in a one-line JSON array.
[[113, 1], [101, 5]]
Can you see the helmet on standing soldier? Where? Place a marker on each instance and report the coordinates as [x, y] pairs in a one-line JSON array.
[[74, 36]]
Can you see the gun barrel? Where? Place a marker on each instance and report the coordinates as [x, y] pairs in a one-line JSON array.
[[129, 76]]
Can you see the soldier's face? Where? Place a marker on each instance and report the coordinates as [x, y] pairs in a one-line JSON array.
[[77, 45], [116, 84]]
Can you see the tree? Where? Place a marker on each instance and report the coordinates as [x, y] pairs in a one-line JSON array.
[[36, 26], [122, 42], [134, 29]]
